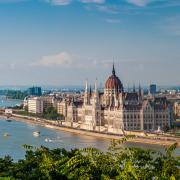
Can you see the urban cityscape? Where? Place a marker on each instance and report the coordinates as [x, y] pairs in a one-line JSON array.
[[90, 90], [112, 110]]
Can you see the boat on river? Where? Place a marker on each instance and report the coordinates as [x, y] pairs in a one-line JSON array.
[[6, 134], [36, 133]]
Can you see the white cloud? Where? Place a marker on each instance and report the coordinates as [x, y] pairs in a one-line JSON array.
[[67, 2], [93, 1], [141, 3], [68, 60], [12, 1], [61, 59], [108, 9], [156, 3], [59, 2], [65, 60]]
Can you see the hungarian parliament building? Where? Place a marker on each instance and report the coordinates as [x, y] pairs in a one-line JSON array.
[[115, 110], [112, 110]]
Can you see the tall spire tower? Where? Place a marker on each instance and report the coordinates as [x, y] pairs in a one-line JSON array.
[[86, 97], [96, 94], [113, 70]]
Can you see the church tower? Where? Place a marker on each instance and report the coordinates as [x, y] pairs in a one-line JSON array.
[[96, 107]]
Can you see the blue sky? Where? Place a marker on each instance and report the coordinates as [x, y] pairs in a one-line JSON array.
[[64, 42]]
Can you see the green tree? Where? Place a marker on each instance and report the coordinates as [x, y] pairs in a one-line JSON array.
[[50, 113], [90, 163]]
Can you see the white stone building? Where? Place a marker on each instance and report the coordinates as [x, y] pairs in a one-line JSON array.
[[116, 111], [35, 105]]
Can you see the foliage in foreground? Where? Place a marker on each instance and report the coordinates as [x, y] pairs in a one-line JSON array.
[[90, 163]]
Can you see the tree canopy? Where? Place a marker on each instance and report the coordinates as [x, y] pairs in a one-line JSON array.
[[90, 163]]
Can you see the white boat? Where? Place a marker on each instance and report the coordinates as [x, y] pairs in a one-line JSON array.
[[36, 133], [6, 134], [48, 140], [52, 140]]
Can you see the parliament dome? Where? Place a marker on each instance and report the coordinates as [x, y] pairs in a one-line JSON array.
[[113, 82]]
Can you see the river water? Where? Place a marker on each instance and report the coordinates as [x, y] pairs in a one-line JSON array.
[[21, 133], [4, 102]]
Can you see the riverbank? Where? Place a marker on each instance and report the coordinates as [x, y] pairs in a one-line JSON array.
[[155, 140]]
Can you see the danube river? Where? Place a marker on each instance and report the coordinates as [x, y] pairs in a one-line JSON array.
[[4, 102], [22, 133]]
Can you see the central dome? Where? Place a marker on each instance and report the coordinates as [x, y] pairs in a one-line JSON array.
[[113, 82]]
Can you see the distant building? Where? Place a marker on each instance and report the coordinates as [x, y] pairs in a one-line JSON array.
[[39, 104], [49, 101], [35, 91], [62, 108], [35, 105], [177, 109], [8, 111], [152, 89]]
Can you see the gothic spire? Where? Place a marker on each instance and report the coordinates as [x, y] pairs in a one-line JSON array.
[[86, 86], [96, 94], [95, 86], [86, 98], [90, 91], [113, 70], [139, 88], [134, 88]]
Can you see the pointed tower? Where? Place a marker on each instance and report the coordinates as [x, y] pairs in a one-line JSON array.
[[113, 71], [96, 108], [90, 91], [140, 93], [96, 93], [134, 88], [139, 89], [86, 97]]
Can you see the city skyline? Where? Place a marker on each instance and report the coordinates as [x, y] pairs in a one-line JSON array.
[[64, 42]]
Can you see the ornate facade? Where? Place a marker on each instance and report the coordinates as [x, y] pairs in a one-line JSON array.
[[115, 110]]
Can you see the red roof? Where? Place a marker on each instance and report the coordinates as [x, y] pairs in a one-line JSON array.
[[114, 82]]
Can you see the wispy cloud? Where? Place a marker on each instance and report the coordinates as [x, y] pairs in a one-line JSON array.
[[111, 9], [93, 1], [154, 4], [65, 60], [67, 2], [68, 60], [12, 1], [60, 59], [59, 2], [113, 20], [140, 3]]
